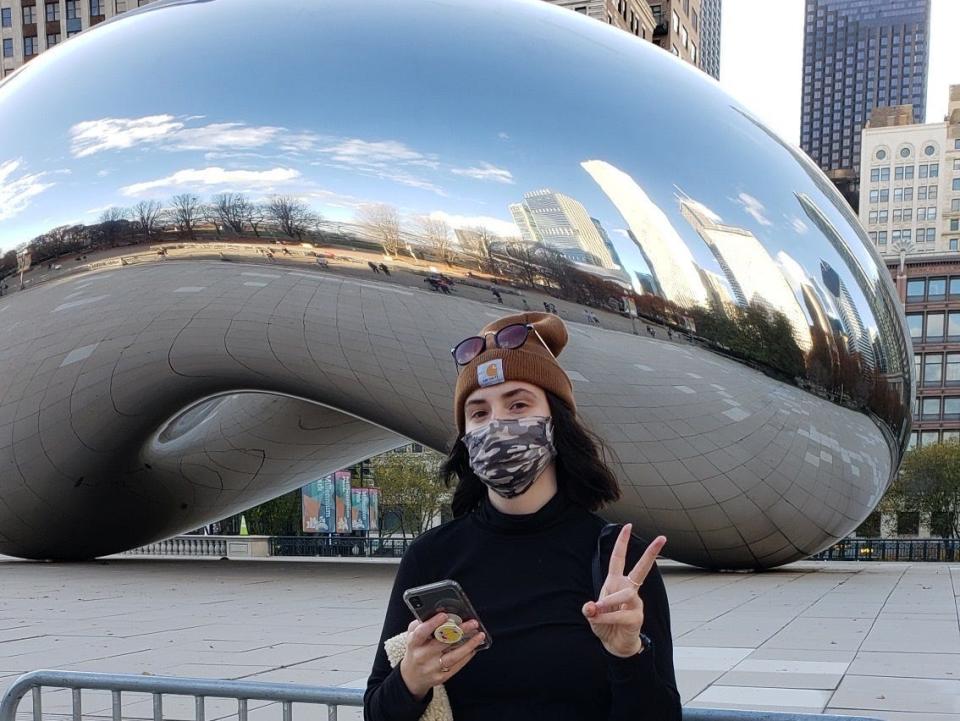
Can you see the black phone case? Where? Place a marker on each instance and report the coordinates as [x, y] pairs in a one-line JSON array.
[[446, 596]]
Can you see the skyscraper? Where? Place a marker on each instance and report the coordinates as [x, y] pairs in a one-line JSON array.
[[858, 54], [562, 223], [672, 267], [710, 37]]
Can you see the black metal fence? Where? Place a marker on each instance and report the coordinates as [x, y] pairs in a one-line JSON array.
[[348, 546], [892, 549]]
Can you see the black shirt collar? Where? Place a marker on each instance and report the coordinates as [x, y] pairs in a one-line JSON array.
[[551, 513]]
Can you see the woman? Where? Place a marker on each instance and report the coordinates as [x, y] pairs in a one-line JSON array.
[[521, 545]]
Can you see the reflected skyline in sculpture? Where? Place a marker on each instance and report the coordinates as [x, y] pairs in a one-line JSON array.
[[748, 252]]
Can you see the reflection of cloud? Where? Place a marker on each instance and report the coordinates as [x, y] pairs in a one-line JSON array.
[[465, 222], [754, 208], [95, 136], [486, 171], [503, 136], [241, 179], [799, 225], [16, 192], [384, 159]]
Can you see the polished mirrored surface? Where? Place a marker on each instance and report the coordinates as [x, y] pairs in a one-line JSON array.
[[734, 338]]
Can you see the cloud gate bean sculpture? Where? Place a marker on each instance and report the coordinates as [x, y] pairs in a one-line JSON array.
[[256, 229]]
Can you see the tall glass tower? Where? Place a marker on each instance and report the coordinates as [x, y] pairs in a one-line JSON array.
[[858, 55]]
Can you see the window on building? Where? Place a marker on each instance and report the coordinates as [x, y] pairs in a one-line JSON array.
[[956, 144], [898, 173], [8, 47], [872, 216], [29, 15], [931, 235], [674, 49], [897, 214], [915, 324], [936, 288], [952, 372], [922, 171], [951, 408], [955, 205], [883, 216], [929, 150], [916, 289], [30, 46], [96, 8], [895, 236], [929, 438], [882, 237], [885, 173], [52, 39], [955, 288], [907, 214], [930, 409], [934, 327], [908, 173], [906, 235], [875, 195], [908, 194], [953, 325], [885, 195], [934, 170], [684, 37], [676, 21], [73, 9], [955, 244], [921, 215], [939, 518], [932, 192], [6, 17], [120, 6], [933, 369], [912, 443], [954, 224], [875, 175], [52, 11]]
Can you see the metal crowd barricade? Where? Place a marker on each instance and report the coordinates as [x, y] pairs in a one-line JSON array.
[[243, 692]]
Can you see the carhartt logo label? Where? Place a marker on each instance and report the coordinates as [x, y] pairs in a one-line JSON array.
[[490, 373]]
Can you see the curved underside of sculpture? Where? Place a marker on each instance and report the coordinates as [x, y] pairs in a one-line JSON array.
[[511, 144]]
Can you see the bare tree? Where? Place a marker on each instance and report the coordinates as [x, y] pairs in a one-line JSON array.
[[436, 231], [186, 212], [255, 215], [113, 221], [146, 215], [383, 222], [231, 209], [292, 216]]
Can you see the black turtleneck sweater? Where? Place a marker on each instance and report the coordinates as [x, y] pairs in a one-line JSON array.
[[528, 577]]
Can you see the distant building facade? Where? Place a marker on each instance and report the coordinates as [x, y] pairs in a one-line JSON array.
[[562, 223], [28, 27], [910, 188], [858, 55]]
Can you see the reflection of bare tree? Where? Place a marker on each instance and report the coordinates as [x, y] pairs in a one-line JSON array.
[[146, 215], [112, 224], [525, 260], [383, 222], [231, 210], [436, 231], [185, 212], [255, 215], [292, 216]]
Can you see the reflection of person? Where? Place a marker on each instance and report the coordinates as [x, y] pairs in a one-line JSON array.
[[521, 545]]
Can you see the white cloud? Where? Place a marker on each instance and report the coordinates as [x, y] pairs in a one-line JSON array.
[[16, 192], [95, 136], [799, 225], [754, 208], [385, 159], [486, 171], [166, 131], [495, 225], [503, 136], [241, 179]]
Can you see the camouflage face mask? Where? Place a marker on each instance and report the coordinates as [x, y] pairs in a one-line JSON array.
[[508, 455]]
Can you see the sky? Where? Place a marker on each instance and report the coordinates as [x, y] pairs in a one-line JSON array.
[[761, 59]]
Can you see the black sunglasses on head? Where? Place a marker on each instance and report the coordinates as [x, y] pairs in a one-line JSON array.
[[510, 336]]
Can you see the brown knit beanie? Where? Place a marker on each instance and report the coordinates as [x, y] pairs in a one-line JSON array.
[[531, 362]]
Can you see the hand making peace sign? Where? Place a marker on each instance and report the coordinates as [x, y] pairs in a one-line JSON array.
[[617, 616]]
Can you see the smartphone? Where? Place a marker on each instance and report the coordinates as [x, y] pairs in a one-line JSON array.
[[445, 596]]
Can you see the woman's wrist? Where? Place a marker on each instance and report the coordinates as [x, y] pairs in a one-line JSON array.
[[414, 690]]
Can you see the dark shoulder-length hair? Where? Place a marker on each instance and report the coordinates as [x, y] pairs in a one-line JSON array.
[[582, 471]]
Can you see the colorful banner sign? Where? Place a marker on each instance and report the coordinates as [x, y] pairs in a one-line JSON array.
[[344, 514], [373, 503]]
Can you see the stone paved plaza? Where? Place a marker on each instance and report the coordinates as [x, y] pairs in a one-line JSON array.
[[875, 639]]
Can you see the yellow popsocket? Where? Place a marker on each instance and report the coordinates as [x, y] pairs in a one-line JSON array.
[[449, 631]]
